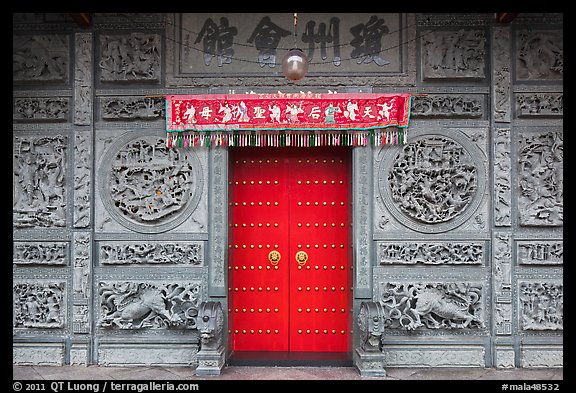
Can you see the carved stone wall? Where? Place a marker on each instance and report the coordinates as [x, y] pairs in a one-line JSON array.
[[457, 233]]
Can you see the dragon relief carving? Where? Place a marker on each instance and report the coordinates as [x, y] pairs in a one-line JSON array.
[[434, 306], [131, 305]]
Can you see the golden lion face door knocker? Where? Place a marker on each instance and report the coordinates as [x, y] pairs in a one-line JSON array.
[[274, 257], [301, 258]]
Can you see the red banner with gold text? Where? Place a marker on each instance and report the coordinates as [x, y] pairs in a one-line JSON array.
[[281, 118]]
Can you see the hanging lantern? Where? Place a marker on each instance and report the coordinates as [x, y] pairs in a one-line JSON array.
[[295, 64]]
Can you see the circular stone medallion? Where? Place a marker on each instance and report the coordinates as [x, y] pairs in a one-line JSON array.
[[147, 187], [434, 183]]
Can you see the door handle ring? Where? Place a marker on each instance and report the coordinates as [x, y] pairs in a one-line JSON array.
[[301, 258], [274, 257]]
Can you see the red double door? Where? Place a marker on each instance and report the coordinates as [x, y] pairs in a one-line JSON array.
[[289, 250]]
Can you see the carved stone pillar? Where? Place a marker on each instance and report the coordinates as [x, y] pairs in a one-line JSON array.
[[370, 359], [210, 324]]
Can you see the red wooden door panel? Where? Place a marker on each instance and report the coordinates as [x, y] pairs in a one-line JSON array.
[[319, 283], [283, 203]]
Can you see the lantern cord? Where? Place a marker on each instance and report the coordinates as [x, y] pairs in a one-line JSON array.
[[295, 24]]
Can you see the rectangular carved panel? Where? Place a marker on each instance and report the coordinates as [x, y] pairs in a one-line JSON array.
[[541, 305], [39, 304], [432, 305], [40, 253], [151, 252], [540, 252], [430, 253], [148, 304], [40, 181]]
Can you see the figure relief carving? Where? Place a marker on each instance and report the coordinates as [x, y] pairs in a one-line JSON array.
[[39, 305], [432, 305], [39, 182], [541, 305], [82, 180], [540, 105], [541, 180], [134, 305], [83, 79], [121, 108], [82, 271], [454, 54], [40, 253], [130, 57], [501, 75], [540, 252], [502, 178]]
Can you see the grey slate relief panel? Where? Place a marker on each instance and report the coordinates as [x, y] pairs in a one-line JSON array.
[[458, 233]]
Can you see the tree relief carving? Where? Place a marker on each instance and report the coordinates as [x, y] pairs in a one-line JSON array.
[[140, 305], [40, 58], [433, 184], [432, 305], [148, 187]]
